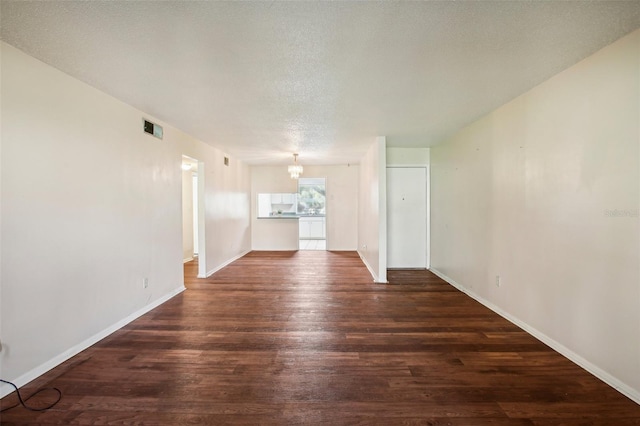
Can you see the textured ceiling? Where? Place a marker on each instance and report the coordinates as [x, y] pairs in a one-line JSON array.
[[264, 79]]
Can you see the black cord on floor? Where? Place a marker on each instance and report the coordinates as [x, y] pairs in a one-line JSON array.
[[22, 401]]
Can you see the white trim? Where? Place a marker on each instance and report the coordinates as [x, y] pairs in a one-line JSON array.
[[233, 259], [373, 274], [428, 216], [406, 165], [202, 222], [615, 383], [76, 349], [189, 259], [382, 209]]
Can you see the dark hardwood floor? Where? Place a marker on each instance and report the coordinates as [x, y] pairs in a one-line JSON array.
[[307, 338]]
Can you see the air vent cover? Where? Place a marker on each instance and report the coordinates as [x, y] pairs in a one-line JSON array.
[[152, 129]]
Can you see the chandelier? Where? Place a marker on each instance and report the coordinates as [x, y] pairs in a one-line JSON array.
[[295, 170]]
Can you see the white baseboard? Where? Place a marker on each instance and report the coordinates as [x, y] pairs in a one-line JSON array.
[[74, 350], [376, 279], [612, 381], [188, 259], [364, 260], [233, 259]]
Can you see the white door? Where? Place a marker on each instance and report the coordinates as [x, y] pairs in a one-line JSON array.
[[407, 217]]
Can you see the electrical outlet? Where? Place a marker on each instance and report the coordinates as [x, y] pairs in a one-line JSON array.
[[497, 280], [145, 282]]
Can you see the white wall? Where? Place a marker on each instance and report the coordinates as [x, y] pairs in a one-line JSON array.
[[1, 204], [545, 192], [408, 157], [272, 234], [90, 206], [227, 205], [342, 206], [187, 215], [372, 210]]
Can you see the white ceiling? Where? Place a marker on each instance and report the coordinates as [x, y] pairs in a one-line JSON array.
[[262, 80]]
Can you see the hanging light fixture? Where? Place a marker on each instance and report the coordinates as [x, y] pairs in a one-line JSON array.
[[295, 170]]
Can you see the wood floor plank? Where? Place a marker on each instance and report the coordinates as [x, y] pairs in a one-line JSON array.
[[285, 338]]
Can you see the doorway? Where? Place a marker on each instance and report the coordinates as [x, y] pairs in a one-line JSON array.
[[193, 236], [312, 212], [407, 217]]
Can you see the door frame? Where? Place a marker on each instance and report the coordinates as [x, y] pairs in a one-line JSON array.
[[202, 246]]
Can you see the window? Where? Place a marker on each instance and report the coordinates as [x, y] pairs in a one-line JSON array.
[[311, 197]]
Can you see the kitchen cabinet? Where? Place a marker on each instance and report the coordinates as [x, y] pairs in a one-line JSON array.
[[287, 199], [312, 228], [305, 230], [316, 228], [270, 205]]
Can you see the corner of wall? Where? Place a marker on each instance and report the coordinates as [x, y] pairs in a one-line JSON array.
[[382, 208]]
